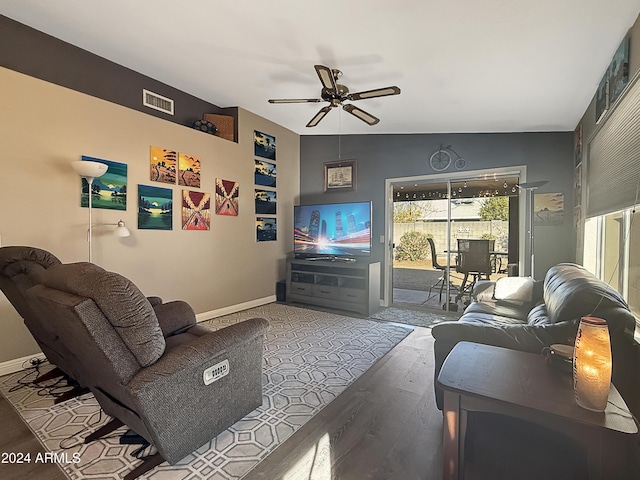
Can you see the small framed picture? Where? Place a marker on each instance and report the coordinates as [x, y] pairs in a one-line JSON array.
[[340, 176]]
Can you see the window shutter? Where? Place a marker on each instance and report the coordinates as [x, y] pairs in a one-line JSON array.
[[613, 169]]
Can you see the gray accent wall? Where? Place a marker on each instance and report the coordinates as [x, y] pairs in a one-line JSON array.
[[547, 156]]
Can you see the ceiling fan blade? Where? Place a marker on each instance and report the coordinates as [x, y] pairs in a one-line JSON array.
[[378, 92], [318, 116], [295, 100], [325, 74], [361, 114]]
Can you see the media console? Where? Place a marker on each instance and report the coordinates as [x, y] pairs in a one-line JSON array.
[[351, 286]]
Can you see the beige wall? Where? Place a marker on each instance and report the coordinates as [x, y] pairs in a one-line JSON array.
[[44, 127]]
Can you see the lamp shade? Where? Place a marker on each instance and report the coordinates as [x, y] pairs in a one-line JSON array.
[[592, 364], [121, 230], [89, 169]]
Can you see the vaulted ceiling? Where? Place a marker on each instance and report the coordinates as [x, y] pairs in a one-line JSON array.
[[462, 65]]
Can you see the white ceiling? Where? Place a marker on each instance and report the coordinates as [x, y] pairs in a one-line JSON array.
[[462, 65]]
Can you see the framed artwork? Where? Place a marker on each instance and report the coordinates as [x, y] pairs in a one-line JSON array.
[[577, 145], [162, 164], [264, 145], [602, 97], [196, 210], [265, 202], [108, 191], [227, 194], [548, 209], [265, 173], [155, 208], [188, 170], [266, 229], [619, 71], [340, 175], [577, 186]]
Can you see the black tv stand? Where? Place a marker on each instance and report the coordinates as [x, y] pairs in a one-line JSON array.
[[338, 283]]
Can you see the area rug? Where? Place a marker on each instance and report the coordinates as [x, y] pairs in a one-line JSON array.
[[310, 357], [415, 317]]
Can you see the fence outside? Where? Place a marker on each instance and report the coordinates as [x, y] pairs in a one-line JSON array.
[[498, 229]]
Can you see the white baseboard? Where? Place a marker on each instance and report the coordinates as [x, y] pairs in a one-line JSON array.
[[18, 364], [201, 317], [15, 365]]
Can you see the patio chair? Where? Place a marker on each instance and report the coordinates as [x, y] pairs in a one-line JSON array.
[[473, 260], [443, 280]]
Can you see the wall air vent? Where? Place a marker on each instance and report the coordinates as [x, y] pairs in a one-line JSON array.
[[157, 102]]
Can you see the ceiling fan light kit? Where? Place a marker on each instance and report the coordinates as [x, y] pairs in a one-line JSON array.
[[336, 94]]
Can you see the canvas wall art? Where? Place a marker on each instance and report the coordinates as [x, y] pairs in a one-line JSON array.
[[264, 145], [602, 97], [266, 229], [196, 210], [265, 173], [227, 195], [155, 208], [108, 191], [577, 144], [188, 170], [619, 71], [265, 202], [548, 209], [162, 164]]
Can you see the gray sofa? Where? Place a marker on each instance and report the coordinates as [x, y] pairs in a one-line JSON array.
[[149, 370], [548, 313]]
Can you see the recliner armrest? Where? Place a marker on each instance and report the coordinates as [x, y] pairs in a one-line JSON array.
[[153, 300], [198, 354], [174, 316]]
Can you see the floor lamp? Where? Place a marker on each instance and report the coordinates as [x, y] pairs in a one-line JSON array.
[[529, 188], [89, 171]]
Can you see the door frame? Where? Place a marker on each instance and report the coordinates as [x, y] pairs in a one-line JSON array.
[[520, 170]]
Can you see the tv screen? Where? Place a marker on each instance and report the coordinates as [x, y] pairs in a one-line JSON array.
[[334, 229]]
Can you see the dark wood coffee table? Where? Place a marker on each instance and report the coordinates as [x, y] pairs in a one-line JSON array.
[[484, 378]]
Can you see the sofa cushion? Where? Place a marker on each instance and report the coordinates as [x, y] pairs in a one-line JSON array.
[[514, 289], [121, 302], [516, 313]]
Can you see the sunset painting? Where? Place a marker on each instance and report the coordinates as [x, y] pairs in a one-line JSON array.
[[162, 164], [196, 210], [109, 190], [227, 193], [548, 209], [155, 208], [265, 173], [266, 229], [188, 170], [264, 145], [265, 202]]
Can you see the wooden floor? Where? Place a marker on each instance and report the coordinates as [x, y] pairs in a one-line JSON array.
[[15, 437], [385, 426]]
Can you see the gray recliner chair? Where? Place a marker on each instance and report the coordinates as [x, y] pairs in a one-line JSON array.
[[20, 269], [175, 383]]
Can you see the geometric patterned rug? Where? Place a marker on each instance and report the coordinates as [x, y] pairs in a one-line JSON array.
[[310, 357], [416, 317]]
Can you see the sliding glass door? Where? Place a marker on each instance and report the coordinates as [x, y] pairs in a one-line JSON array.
[[427, 215]]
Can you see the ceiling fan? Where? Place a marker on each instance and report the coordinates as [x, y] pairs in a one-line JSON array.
[[336, 94]]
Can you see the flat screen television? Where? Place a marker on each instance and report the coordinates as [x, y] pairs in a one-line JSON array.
[[332, 230]]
